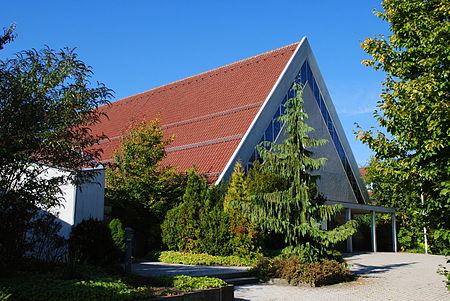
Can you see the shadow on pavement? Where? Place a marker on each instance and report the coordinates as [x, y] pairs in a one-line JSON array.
[[152, 269], [361, 269]]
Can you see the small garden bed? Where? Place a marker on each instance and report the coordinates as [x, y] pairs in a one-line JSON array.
[[203, 259], [69, 283], [295, 272]]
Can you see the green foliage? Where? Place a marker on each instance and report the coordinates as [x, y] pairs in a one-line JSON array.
[[414, 110], [50, 287], [4, 294], [140, 190], [261, 180], [245, 237], [199, 223], [237, 190], [390, 188], [44, 240], [8, 36], [215, 233], [296, 209], [188, 283], [117, 233], [181, 228], [204, 259], [91, 242], [47, 105], [296, 272], [444, 272]]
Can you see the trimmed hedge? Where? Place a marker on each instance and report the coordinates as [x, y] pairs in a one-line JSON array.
[[295, 272], [204, 259]]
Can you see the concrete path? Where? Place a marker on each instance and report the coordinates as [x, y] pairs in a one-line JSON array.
[[383, 276], [152, 269]]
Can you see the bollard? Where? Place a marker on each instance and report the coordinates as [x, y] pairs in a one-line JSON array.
[[129, 233]]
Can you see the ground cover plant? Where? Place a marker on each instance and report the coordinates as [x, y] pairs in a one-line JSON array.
[[187, 283], [86, 282], [204, 259]]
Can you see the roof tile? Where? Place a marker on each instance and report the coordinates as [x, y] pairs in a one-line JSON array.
[[208, 113]]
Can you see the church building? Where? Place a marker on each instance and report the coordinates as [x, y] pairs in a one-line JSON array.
[[219, 116]]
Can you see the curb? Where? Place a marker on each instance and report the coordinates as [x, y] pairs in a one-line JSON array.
[[225, 293]]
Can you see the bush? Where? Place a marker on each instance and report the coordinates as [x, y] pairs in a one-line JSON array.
[[293, 270], [117, 233], [44, 240], [204, 259], [215, 233], [91, 242], [188, 283], [47, 287]]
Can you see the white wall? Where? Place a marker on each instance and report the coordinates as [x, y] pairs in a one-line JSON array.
[[79, 202]]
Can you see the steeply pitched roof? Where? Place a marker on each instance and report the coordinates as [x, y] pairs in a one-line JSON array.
[[208, 113]]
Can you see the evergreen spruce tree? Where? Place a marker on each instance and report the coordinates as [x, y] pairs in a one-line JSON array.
[[296, 210]]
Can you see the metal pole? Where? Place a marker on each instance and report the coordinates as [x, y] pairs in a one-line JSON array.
[[394, 232], [348, 217], [129, 233], [425, 240], [374, 232]]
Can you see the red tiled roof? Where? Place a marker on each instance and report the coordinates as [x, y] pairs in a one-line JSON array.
[[363, 172], [208, 113]]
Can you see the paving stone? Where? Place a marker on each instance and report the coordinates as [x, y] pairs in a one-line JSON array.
[[383, 276]]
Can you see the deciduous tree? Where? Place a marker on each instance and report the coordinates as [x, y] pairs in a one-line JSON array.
[[47, 105], [414, 109], [139, 188]]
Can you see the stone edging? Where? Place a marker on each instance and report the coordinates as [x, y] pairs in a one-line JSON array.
[[225, 293]]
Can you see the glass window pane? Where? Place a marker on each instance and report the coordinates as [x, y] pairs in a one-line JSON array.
[[269, 132]]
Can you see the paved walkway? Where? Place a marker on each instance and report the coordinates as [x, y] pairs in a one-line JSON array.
[[383, 276], [152, 269]]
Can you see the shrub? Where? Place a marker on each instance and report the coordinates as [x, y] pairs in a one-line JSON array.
[[47, 287], [44, 240], [117, 233], [4, 294], [293, 270], [215, 233], [204, 259], [188, 283], [180, 229], [90, 242]]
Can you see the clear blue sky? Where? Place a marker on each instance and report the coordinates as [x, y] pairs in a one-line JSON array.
[[137, 45]]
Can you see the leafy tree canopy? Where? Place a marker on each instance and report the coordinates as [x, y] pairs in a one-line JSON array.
[[47, 105], [414, 109], [139, 188]]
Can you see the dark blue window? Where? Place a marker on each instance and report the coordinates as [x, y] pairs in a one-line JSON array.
[[305, 76], [269, 132]]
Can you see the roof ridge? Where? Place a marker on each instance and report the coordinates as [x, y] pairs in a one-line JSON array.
[[217, 69]]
